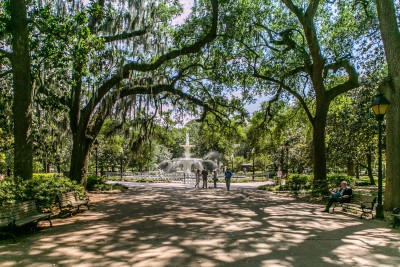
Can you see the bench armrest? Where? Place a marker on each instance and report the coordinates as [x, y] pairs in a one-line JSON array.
[[367, 205]]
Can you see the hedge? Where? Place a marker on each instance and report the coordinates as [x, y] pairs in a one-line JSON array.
[[44, 189]]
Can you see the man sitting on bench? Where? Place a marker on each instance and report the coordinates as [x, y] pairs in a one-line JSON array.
[[343, 196]]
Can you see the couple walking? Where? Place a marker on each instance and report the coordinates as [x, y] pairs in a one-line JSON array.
[[204, 174]]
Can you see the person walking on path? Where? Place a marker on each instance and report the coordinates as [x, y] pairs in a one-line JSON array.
[[228, 176], [204, 173], [215, 178], [197, 179]]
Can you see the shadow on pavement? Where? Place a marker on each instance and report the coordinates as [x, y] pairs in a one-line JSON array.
[[150, 226]]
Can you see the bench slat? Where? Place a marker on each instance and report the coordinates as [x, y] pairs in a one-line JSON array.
[[71, 200], [20, 214]]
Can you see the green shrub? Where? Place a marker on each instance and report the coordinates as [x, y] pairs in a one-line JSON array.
[[12, 190], [44, 175], [93, 180], [363, 183], [299, 182], [107, 187], [44, 189], [334, 180], [267, 187]]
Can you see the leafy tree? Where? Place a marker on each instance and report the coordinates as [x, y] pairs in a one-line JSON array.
[[307, 50]]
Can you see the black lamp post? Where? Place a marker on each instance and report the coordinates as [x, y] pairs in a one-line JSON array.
[[287, 145], [379, 107], [252, 153], [96, 148]]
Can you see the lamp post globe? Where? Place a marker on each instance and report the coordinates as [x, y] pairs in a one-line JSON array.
[[379, 107]]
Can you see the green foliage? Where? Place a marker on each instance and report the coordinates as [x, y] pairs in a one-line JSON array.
[[93, 180], [297, 182], [98, 183], [108, 187], [44, 175], [44, 189], [12, 190]]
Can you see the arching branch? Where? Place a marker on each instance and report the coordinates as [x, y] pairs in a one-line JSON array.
[[145, 67], [289, 90], [124, 35], [351, 83]]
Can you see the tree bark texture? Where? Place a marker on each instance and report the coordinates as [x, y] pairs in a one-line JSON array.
[[21, 64], [391, 89]]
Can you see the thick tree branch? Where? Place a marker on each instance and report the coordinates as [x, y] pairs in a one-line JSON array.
[[295, 9], [182, 72], [124, 35], [350, 84], [144, 67], [312, 9], [103, 112], [289, 90]]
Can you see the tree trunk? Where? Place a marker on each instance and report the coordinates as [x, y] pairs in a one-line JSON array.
[[20, 60], [350, 167], [391, 41], [79, 158], [357, 169], [369, 169], [320, 179], [392, 187]]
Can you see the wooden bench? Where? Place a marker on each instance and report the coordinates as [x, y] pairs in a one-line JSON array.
[[396, 217], [359, 202], [20, 214], [71, 201]]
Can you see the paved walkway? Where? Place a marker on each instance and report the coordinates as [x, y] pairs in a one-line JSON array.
[[170, 226]]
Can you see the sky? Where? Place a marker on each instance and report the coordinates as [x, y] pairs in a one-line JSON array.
[[187, 7]]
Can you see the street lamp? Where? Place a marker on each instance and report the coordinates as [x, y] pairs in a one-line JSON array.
[[379, 107], [232, 157], [252, 153], [96, 148], [287, 145]]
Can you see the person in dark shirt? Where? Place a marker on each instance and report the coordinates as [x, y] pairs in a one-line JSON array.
[[343, 196], [204, 173], [228, 176]]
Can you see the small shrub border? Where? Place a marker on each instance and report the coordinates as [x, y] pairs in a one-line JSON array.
[[44, 189]]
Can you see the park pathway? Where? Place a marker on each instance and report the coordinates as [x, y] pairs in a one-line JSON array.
[[178, 226]]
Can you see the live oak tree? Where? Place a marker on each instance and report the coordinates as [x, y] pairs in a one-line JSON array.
[[389, 29], [109, 52], [306, 49]]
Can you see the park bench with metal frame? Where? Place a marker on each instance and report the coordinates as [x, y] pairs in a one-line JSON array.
[[71, 201], [20, 214], [359, 202], [396, 217]]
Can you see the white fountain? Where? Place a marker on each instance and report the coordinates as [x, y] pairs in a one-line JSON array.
[[187, 146], [186, 164]]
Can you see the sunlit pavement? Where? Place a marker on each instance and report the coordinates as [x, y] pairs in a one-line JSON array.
[[170, 225]]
